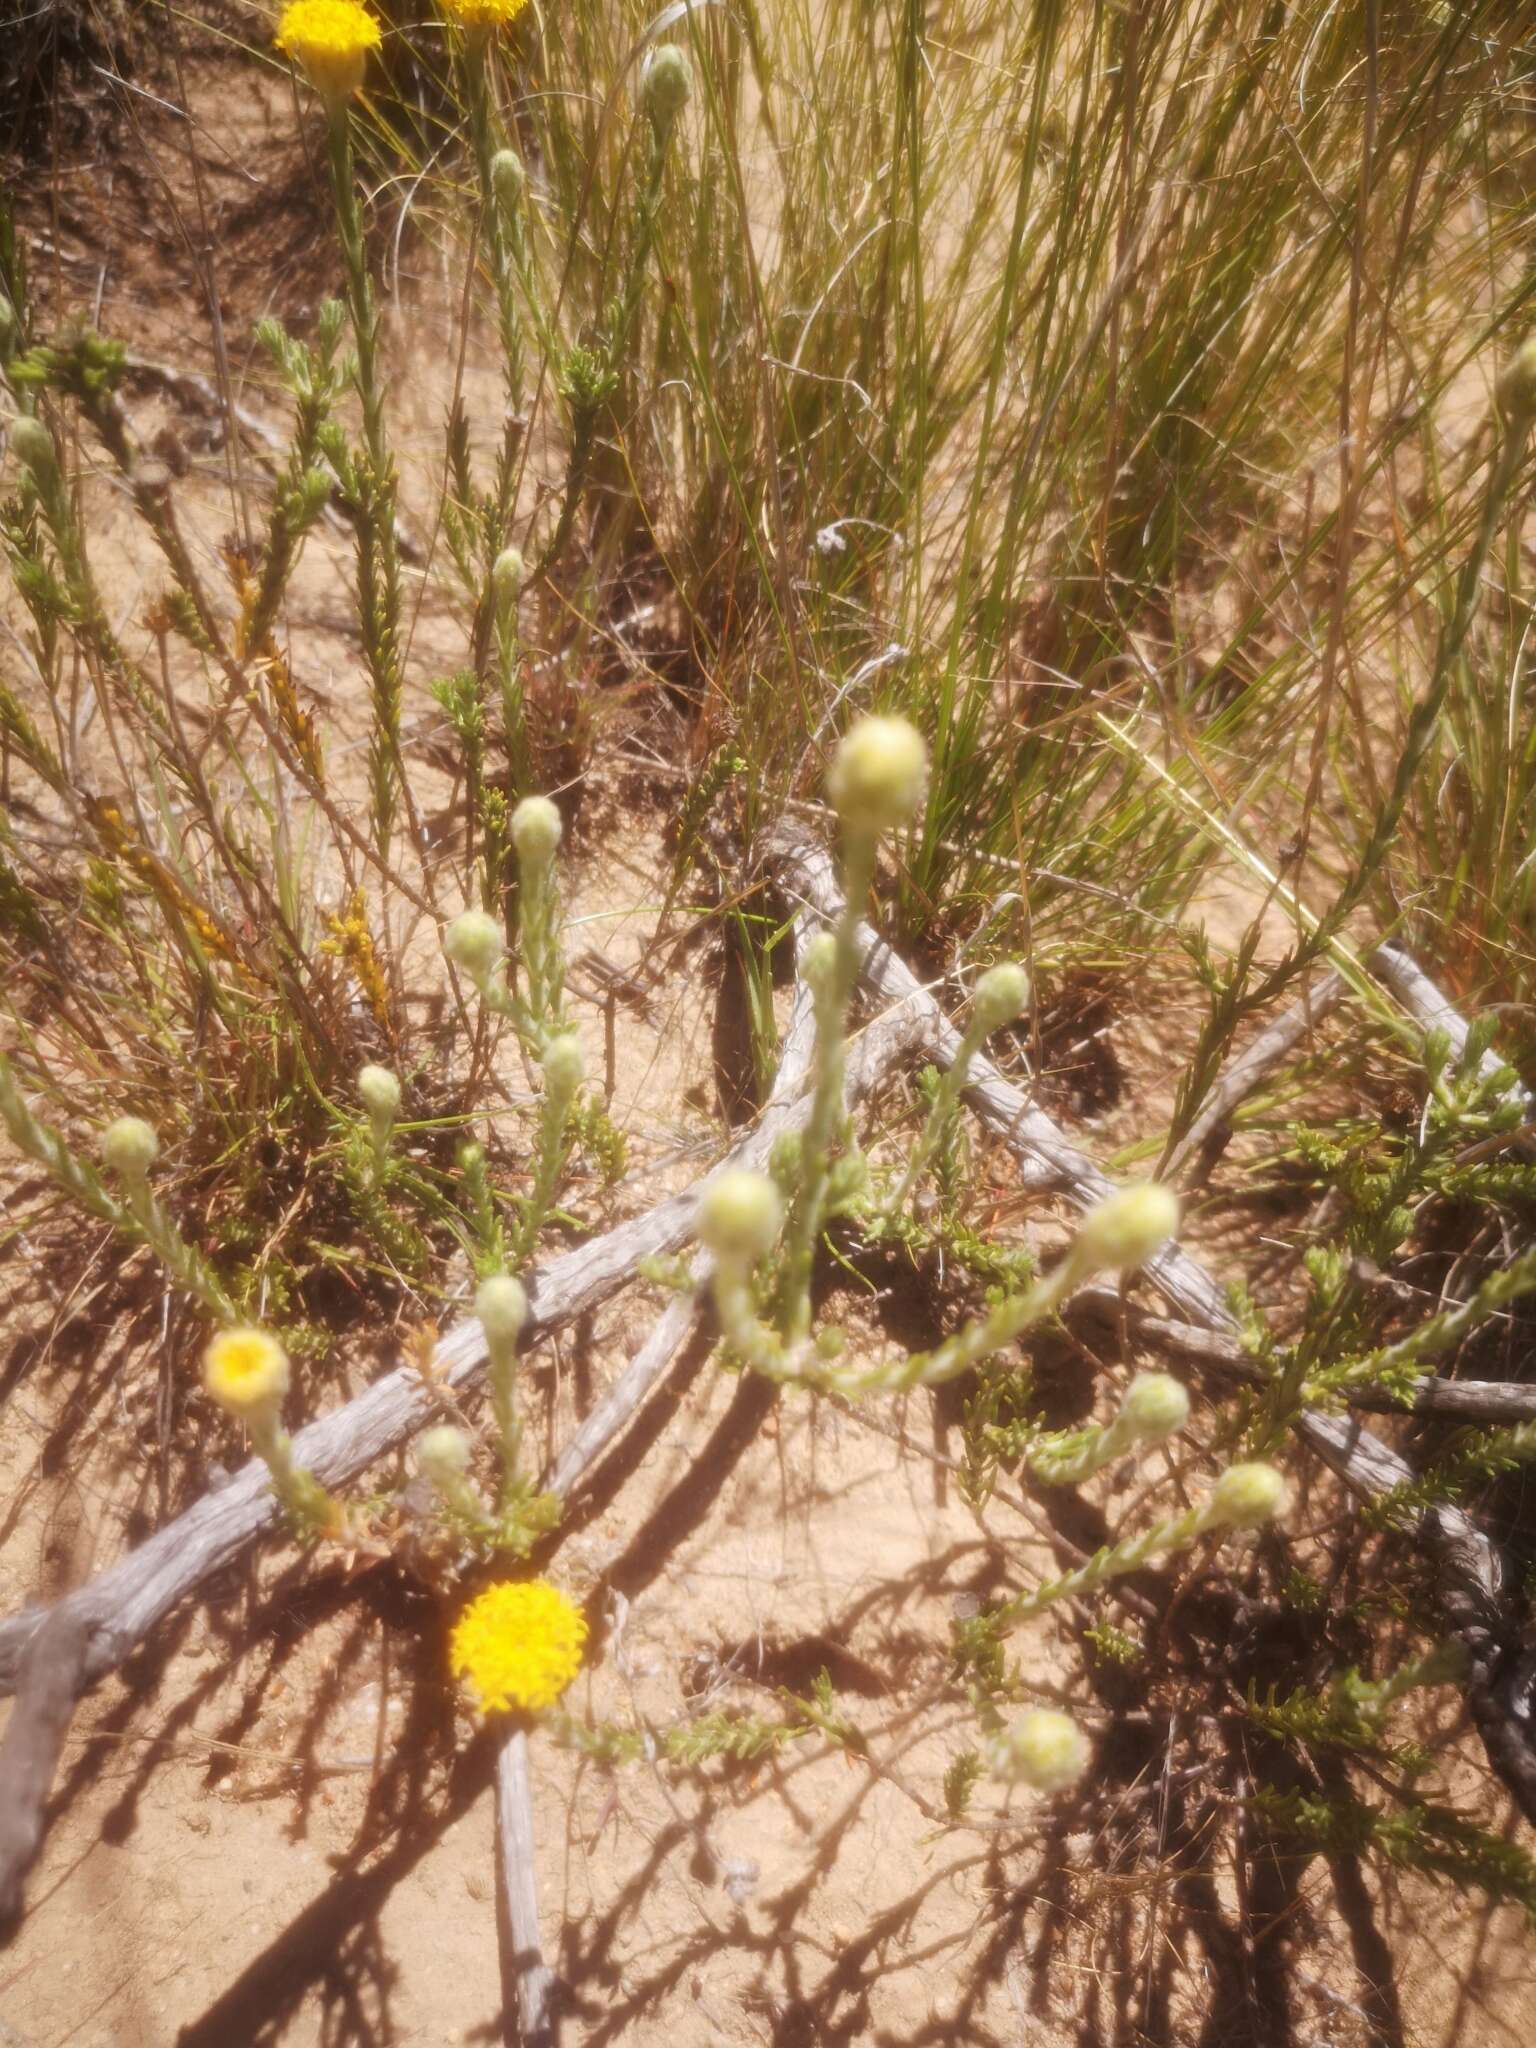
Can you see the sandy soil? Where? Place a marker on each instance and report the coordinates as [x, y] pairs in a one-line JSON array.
[[276, 1825]]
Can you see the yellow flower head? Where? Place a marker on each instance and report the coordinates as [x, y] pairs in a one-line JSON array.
[[331, 40], [483, 13], [518, 1645], [246, 1372]]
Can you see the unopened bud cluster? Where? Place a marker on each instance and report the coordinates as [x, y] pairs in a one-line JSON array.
[[877, 777], [741, 1215], [1125, 1230], [1042, 1748], [666, 85], [536, 831], [474, 943], [379, 1091], [1002, 994], [130, 1147], [1155, 1408]]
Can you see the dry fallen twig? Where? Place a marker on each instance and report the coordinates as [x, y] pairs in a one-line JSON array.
[[1501, 1680], [49, 1686], [524, 1967], [1487, 1401], [1431, 1010], [1250, 1068], [115, 1611], [1048, 1159]]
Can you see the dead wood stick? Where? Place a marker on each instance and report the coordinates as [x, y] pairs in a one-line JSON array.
[[34, 1736], [1047, 1157], [524, 1972], [1487, 1401], [113, 1612], [1501, 1683], [1406, 980], [526, 1979], [629, 1390], [1250, 1068]]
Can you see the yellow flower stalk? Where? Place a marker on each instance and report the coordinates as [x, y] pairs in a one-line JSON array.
[[246, 1372], [518, 1646], [330, 40]]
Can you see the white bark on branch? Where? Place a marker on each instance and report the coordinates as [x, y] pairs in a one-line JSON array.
[[524, 1973], [96, 1627], [130, 1597], [1251, 1067]]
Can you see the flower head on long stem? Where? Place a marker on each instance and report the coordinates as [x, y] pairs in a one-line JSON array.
[[330, 41]]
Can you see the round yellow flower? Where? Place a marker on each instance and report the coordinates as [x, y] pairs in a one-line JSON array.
[[331, 40], [483, 13], [246, 1372], [518, 1645]]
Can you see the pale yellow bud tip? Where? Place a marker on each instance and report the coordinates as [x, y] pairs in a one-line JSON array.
[[536, 830], [442, 1455], [32, 445], [130, 1147], [818, 962], [1126, 1229], [564, 1063], [507, 181], [1248, 1496], [379, 1091], [1041, 1748], [246, 1372], [665, 85], [876, 781], [1155, 1406], [740, 1215], [474, 943], [502, 1307], [1001, 995], [507, 574]]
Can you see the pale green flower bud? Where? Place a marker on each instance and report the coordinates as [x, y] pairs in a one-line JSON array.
[[474, 943], [1041, 1748], [130, 1147], [32, 445], [564, 1063], [502, 1308], [442, 1455], [1516, 388], [379, 1091], [666, 82], [740, 1215], [1156, 1407], [1001, 995], [876, 781], [507, 574], [818, 962], [536, 830], [508, 179], [1126, 1228], [1248, 1496]]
